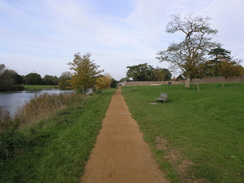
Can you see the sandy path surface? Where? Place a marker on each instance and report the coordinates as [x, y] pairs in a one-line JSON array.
[[120, 154]]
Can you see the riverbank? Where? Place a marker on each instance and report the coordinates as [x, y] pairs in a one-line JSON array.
[[29, 87], [13, 100], [40, 87], [56, 149]]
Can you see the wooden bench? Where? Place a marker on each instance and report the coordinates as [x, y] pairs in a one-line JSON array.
[[163, 97]]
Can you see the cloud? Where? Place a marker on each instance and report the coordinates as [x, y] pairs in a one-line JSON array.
[[228, 20], [51, 31]]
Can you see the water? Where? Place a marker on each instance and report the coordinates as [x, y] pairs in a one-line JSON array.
[[11, 101]]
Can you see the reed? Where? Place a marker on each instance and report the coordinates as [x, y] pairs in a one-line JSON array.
[[39, 108], [43, 106]]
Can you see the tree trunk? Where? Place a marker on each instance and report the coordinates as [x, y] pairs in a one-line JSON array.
[[187, 83], [223, 83], [83, 90], [198, 88]]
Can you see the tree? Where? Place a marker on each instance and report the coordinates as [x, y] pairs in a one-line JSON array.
[[162, 74], [222, 64], [141, 72], [229, 69], [85, 72], [33, 79], [103, 82], [50, 80], [217, 56], [114, 83], [123, 79], [6, 78], [9, 79], [188, 54], [18, 79], [64, 81]]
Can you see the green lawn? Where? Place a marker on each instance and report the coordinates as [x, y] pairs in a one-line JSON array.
[[39, 87], [194, 135], [56, 150]]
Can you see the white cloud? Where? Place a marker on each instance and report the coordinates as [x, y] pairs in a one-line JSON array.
[[49, 32], [227, 18]]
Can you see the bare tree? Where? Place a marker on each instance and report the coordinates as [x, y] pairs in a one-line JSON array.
[[188, 54]]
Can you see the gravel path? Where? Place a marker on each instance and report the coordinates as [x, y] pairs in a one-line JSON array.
[[120, 154]]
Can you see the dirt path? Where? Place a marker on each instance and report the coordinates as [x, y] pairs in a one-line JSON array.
[[120, 154]]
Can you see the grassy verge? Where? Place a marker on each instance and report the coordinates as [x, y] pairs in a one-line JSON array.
[[195, 136], [56, 149], [39, 87]]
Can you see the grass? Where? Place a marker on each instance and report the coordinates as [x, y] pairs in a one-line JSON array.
[[43, 106], [56, 149], [195, 136], [39, 87]]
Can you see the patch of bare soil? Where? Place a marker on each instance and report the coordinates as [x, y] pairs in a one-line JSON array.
[[120, 154], [153, 103], [182, 165]]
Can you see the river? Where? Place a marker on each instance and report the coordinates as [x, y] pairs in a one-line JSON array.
[[11, 101]]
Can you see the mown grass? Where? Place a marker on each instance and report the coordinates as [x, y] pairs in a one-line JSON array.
[[56, 149], [195, 136], [39, 87]]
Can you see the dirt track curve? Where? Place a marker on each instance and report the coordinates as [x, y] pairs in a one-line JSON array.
[[120, 154]]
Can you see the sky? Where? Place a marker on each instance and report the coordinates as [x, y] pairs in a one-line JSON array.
[[42, 36]]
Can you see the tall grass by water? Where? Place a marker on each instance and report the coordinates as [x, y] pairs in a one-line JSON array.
[[195, 136], [53, 149], [45, 105], [39, 108]]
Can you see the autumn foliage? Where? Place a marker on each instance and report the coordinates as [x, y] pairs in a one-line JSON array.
[[103, 82]]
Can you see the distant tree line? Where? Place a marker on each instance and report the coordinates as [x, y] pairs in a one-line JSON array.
[[11, 80], [145, 72], [85, 76]]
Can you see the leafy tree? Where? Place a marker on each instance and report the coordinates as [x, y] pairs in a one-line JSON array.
[[64, 81], [18, 79], [188, 54], [33, 79], [230, 69], [6, 79], [222, 64], [85, 72], [123, 79], [218, 54], [162, 74], [9, 79], [103, 82], [50, 80], [141, 72], [114, 83], [217, 57]]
